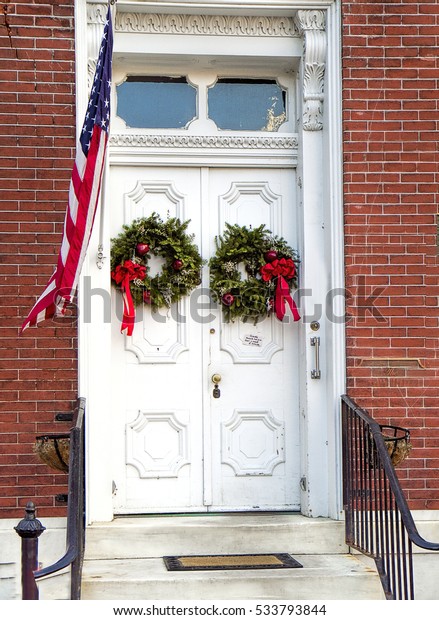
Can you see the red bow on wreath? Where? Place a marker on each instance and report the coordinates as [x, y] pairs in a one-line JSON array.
[[123, 275], [281, 269]]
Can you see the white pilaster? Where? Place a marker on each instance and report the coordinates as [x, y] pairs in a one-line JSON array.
[[94, 329], [314, 279]]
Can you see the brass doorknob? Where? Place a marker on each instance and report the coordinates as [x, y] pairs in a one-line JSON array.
[[216, 379]]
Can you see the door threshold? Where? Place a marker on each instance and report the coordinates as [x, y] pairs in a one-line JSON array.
[[205, 514]]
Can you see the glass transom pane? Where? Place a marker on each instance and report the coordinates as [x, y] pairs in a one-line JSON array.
[[156, 102], [245, 104]]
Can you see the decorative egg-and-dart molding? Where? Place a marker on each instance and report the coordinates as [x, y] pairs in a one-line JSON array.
[[213, 141]]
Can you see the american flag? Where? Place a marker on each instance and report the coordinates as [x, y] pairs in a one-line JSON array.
[[84, 191]]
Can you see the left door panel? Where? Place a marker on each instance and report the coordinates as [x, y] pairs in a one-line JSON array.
[[156, 373]]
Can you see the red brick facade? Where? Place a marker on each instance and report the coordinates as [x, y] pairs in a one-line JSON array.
[[37, 142], [391, 174], [391, 146]]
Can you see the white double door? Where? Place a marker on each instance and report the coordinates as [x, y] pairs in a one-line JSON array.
[[176, 448]]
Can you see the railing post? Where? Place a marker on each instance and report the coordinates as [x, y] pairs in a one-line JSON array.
[[29, 529]]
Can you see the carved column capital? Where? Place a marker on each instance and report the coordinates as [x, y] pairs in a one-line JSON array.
[[312, 25], [96, 14], [310, 20]]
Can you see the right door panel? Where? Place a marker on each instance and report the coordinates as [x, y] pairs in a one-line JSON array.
[[252, 430]]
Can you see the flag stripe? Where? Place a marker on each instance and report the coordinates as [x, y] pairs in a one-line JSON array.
[[96, 187], [84, 192], [88, 198]]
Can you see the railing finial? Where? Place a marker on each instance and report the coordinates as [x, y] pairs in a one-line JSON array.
[[29, 529], [30, 526]]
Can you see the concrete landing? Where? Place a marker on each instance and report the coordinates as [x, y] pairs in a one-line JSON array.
[[232, 533]]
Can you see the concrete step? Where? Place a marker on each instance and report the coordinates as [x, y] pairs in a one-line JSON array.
[[124, 559], [132, 537], [55, 587], [323, 577]]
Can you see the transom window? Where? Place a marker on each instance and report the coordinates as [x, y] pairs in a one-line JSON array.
[[247, 104], [156, 102], [232, 103]]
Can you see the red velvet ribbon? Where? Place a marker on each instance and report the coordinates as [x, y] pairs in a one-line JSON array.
[[123, 275], [129, 313], [283, 295], [281, 269]]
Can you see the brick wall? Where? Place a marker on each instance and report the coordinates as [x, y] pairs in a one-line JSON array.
[[391, 174], [390, 73], [37, 143]]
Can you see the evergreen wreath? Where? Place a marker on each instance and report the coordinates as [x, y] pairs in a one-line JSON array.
[[130, 253], [270, 273]]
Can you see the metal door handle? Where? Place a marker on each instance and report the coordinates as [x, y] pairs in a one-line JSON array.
[[216, 391], [315, 342]]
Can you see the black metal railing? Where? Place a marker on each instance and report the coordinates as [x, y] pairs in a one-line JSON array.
[[378, 520], [74, 554]]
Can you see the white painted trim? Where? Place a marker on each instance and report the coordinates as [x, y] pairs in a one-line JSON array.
[[198, 150], [81, 60], [93, 338], [248, 7], [336, 331], [323, 496]]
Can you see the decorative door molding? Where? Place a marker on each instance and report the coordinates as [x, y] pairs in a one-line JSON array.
[[253, 442], [228, 25], [157, 444], [150, 140], [217, 25], [320, 62], [309, 24], [312, 24]]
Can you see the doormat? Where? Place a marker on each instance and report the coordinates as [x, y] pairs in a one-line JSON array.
[[230, 562]]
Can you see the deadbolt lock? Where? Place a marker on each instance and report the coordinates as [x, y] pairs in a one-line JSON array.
[[216, 379]]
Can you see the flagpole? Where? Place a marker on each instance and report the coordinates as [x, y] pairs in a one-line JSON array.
[[100, 257]]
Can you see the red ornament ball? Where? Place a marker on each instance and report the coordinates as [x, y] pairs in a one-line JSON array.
[[227, 299], [147, 297], [142, 249], [270, 256], [177, 264]]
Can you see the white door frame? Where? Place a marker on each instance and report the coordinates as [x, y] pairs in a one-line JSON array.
[[319, 171]]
